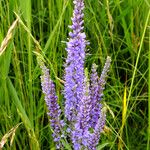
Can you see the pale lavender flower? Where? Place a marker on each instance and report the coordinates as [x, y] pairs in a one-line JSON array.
[[54, 111], [81, 105], [74, 76], [102, 80], [96, 90], [95, 97], [93, 138], [83, 108], [97, 114], [74, 67], [82, 123]]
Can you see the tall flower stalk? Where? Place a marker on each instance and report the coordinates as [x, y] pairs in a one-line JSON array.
[[54, 111], [83, 95], [74, 67]]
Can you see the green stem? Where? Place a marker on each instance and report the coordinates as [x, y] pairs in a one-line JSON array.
[[148, 141]]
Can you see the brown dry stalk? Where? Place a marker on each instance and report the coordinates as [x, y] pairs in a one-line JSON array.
[[10, 134], [8, 37]]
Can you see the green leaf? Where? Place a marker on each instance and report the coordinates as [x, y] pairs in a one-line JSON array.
[[22, 114], [102, 146]]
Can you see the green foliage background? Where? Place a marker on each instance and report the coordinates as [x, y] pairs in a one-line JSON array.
[[120, 29]]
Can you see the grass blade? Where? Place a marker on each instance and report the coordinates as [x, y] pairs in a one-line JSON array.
[[8, 37], [23, 115]]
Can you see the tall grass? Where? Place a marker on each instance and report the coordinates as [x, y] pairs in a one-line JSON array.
[[116, 28]]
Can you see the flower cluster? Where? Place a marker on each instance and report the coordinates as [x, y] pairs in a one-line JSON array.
[[74, 67], [83, 94], [54, 111]]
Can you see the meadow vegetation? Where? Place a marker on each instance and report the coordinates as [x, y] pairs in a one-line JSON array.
[[120, 29]]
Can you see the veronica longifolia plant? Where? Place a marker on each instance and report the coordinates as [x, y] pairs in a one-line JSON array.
[[83, 94]]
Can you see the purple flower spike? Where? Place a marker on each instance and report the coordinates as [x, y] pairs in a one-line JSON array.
[[48, 89], [102, 80], [83, 108], [98, 116], [82, 123], [96, 90], [93, 138], [95, 97], [74, 67]]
